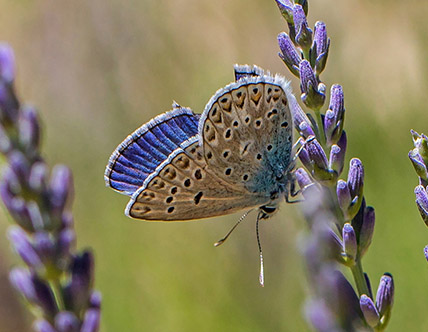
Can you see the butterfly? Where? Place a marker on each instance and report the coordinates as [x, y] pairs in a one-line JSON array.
[[236, 155]]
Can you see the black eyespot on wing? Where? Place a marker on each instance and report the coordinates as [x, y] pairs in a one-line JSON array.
[[198, 197]]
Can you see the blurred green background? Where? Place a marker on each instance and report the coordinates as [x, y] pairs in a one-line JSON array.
[[98, 69]]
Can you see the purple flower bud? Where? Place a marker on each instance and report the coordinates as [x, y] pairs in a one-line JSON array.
[[95, 300], [66, 321], [286, 9], [349, 242], [305, 129], [66, 242], [7, 63], [19, 166], [36, 216], [369, 310], [337, 159], [16, 206], [37, 180], [422, 202], [303, 178], [334, 119], [307, 77], [76, 293], [337, 101], [320, 47], [45, 297], [91, 321], [303, 33], [61, 187], [320, 316], [421, 145], [301, 120], [385, 294], [367, 230], [356, 177], [67, 220], [334, 246], [426, 252], [9, 105], [317, 154], [313, 94], [21, 279], [305, 159], [44, 246], [418, 164], [35, 290], [23, 247], [320, 170], [29, 131], [5, 142], [329, 125], [289, 53], [343, 196], [304, 4], [42, 325], [340, 297], [342, 142]]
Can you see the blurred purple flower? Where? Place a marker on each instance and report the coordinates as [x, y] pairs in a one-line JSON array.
[[44, 237]]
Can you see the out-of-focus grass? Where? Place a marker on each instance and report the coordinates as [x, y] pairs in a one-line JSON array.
[[97, 70]]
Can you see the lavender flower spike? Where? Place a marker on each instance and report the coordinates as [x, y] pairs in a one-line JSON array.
[[313, 93], [289, 53], [57, 280]]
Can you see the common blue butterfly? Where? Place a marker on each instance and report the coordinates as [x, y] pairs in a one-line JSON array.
[[237, 154]]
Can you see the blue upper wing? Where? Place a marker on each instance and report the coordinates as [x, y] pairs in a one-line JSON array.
[[146, 148]]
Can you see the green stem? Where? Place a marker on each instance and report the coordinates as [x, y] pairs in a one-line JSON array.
[[56, 288], [360, 280], [320, 134]]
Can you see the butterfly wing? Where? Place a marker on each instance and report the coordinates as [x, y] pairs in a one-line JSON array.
[[246, 131], [184, 188], [145, 149]]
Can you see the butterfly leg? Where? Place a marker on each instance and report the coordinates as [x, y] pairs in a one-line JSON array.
[[292, 192], [302, 142]]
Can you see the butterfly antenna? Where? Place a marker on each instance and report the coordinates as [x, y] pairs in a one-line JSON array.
[[262, 274], [221, 241]]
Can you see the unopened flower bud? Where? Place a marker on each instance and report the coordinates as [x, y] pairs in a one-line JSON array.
[[320, 46], [349, 242], [289, 54], [303, 33], [371, 315], [422, 202], [313, 93], [385, 294]]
